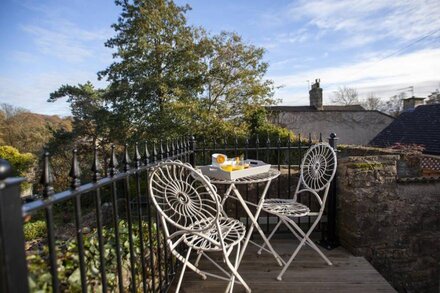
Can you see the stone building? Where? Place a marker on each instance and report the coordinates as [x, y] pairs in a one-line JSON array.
[[352, 124]]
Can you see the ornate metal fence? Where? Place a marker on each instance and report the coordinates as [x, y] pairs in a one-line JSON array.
[[128, 208], [286, 156], [125, 248]]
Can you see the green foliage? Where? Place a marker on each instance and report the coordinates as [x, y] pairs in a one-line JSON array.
[[366, 165], [34, 230], [22, 163], [68, 262], [90, 115], [158, 64], [168, 79], [92, 124], [234, 86], [258, 124]]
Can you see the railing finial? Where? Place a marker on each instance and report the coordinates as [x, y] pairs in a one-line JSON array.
[[155, 158], [167, 148], [96, 166], [137, 156], [178, 146], [126, 159], [47, 177], [332, 140], [173, 147], [146, 155], [113, 162], [161, 155], [5, 169], [75, 171]]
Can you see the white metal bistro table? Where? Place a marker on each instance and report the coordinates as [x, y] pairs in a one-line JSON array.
[[232, 192]]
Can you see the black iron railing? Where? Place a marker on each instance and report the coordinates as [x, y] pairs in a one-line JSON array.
[[286, 156], [130, 209], [130, 249]]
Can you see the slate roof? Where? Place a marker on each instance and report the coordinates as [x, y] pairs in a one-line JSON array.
[[329, 108], [419, 126]]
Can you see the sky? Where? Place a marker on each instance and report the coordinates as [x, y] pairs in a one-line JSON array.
[[376, 46]]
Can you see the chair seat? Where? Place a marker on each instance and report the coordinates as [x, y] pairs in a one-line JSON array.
[[285, 207], [233, 231]]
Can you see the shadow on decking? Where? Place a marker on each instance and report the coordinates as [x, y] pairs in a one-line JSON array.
[[308, 273]]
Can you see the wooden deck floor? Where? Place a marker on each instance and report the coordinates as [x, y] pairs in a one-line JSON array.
[[308, 273]]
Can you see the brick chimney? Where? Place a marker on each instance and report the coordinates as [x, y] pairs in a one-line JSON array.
[[412, 103], [315, 95]]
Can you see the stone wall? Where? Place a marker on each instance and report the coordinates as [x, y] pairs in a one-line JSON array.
[[357, 127], [393, 223]]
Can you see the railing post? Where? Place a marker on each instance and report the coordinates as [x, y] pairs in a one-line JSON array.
[[13, 265], [329, 238], [192, 146]]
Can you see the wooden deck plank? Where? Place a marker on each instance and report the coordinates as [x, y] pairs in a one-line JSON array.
[[308, 273]]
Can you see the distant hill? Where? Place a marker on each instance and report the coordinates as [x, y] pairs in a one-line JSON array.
[[27, 131]]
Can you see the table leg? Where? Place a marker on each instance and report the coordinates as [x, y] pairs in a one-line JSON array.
[[255, 222], [225, 197], [227, 193]]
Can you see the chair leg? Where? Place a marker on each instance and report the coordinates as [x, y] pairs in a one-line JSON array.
[[230, 287], [235, 273], [270, 237], [189, 264], [316, 248], [183, 270], [291, 229], [303, 241], [198, 258], [309, 242], [280, 276]]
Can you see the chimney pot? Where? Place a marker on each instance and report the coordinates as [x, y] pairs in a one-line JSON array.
[[315, 95], [412, 103]]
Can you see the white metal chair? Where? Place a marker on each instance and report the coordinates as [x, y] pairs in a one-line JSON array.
[[318, 169], [191, 213]]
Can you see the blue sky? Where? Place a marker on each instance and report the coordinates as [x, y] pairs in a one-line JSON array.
[[376, 46]]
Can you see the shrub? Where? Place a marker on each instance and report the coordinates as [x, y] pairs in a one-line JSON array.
[[68, 261], [21, 162], [34, 230]]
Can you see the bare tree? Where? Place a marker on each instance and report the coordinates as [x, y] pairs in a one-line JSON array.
[[10, 111], [346, 96], [372, 102], [434, 98], [394, 105]]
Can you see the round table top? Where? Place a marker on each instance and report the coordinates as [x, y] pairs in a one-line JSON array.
[[263, 177]]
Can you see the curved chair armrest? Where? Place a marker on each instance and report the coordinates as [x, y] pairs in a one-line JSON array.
[[312, 192]]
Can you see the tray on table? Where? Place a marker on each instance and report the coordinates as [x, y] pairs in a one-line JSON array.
[[255, 167]]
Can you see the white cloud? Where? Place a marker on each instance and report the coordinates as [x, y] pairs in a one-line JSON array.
[[292, 63], [296, 37], [364, 21], [66, 41], [391, 73], [57, 39]]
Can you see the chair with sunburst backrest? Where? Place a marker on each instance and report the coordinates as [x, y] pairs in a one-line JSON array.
[[191, 214], [318, 169]]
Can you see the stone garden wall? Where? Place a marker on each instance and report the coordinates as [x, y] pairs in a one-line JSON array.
[[393, 222]]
